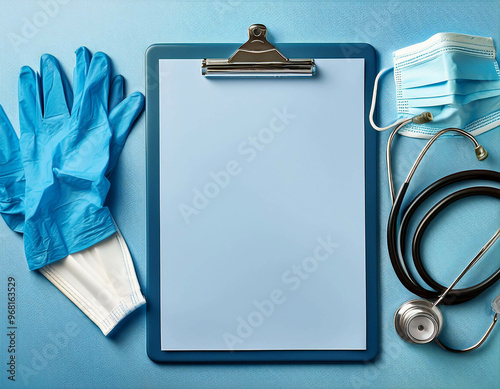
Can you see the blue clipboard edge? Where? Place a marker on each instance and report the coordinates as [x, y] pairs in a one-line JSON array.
[[153, 335]]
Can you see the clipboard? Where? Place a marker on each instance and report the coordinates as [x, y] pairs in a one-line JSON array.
[[238, 267]]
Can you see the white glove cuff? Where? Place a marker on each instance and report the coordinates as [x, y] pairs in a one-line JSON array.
[[100, 280]]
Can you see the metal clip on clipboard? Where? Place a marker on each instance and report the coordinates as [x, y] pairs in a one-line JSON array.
[[258, 58]]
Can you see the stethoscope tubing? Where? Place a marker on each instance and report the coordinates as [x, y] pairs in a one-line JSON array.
[[396, 238], [396, 234]]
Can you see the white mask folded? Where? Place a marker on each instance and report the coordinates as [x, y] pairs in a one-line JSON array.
[[100, 280]]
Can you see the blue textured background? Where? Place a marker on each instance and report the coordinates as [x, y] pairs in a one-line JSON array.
[[124, 29]]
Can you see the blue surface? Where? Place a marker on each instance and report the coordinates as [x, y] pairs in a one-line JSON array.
[[124, 30]]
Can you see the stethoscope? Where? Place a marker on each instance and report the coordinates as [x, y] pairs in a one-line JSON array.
[[420, 320]]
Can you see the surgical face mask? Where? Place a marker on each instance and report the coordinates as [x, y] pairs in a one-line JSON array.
[[100, 280], [455, 77]]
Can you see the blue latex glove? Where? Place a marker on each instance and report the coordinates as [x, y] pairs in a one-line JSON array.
[[65, 156], [12, 181]]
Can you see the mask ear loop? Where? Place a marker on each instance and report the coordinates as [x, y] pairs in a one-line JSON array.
[[374, 101]]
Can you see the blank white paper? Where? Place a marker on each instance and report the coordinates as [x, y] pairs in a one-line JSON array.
[[262, 210]]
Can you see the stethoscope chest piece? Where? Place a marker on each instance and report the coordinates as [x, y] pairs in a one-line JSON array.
[[418, 321], [495, 305]]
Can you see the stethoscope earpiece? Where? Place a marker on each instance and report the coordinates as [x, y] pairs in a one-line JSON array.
[[418, 321]]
